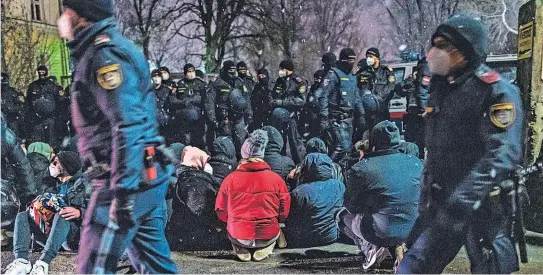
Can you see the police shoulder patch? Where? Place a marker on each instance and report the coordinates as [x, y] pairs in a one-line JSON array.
[[302, 89], [110, 77], [392, 79], [502, 115]]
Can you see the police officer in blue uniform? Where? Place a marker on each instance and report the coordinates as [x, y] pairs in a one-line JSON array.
[[379, 79], [225, 106], [474, 141], [186, 107], [162, 94], [339, 104], [114, 114], [415, 89], [290, 93]]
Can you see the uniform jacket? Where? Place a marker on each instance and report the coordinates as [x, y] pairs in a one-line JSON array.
[[252, 201], [39, 90], [188, 98], [113, 106], [384, 187], [162, 95], [380, 81], [217, 99], [338, 94], [12, 107], [278, 163], [315, 203], [473, 136], [246, 85], [291, 91]]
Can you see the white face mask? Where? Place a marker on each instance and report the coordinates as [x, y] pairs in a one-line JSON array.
[[157, 80], [370, 61], [54, 171], [439, 61], [165, 76], [191, 75], [282, 73], [65, 28]]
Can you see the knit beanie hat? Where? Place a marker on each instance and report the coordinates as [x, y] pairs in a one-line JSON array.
[[287, 64], [188, 68], [329, 59], [69, 161], [469, 35], [347, 54], [93, 10], [255, 145], [384, 135], [41, 148], [373, 51]]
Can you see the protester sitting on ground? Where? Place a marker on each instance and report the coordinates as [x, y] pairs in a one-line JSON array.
[[223, 157], [315, 203], [279, 164], [40, 155], [59, 212], [381, 197], [314, 145], [253, 200], [193, 223]]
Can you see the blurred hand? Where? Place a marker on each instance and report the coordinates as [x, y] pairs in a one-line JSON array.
[[70, 213]]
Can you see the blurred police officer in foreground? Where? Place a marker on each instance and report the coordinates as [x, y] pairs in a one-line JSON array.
[[339, 105], [474, 126], [115, 119]]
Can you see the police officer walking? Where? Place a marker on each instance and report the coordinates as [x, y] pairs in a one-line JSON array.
[[162, 94], [474, 142], [42, 97], [339, 105], [379, 79], [225, 106], [290, 93], [186, 106], [115, 120]]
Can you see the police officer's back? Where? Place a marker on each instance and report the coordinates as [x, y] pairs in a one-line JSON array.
[[473, 140], [12, 105], [115, 118]]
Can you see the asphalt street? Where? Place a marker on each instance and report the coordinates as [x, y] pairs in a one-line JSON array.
[[336, 258]]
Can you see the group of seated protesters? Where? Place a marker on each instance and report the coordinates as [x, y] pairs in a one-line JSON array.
[[265, 200], [253, 204]]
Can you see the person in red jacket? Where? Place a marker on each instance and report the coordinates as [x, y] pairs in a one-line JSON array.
[[253, 200]]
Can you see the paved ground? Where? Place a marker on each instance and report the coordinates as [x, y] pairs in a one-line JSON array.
[[336, 258]]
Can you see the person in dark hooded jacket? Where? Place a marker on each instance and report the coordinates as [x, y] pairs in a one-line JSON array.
[[382, 196], [315, 203], [223, 158], [40, 155], [279, 164], [193, 224]]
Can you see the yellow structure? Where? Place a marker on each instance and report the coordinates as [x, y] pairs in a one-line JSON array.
[[30, 38]]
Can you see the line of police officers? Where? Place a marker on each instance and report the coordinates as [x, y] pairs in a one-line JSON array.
[[340, 106]]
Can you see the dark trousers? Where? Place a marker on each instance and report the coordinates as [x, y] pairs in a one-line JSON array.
[[295, 141], [485, 235], [339, 138], [148, 249], [192, 133], [235, 128], [414, 130], [43, 130], [61, 231]]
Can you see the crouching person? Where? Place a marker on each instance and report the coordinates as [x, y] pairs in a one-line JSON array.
[[194, 224], [54, 217], [315, 203], [252, 201], [382, 193]]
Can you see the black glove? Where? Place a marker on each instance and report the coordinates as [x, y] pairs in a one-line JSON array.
[[121, 211]]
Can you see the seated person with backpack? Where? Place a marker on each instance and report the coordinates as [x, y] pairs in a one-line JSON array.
[[54, 217]]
